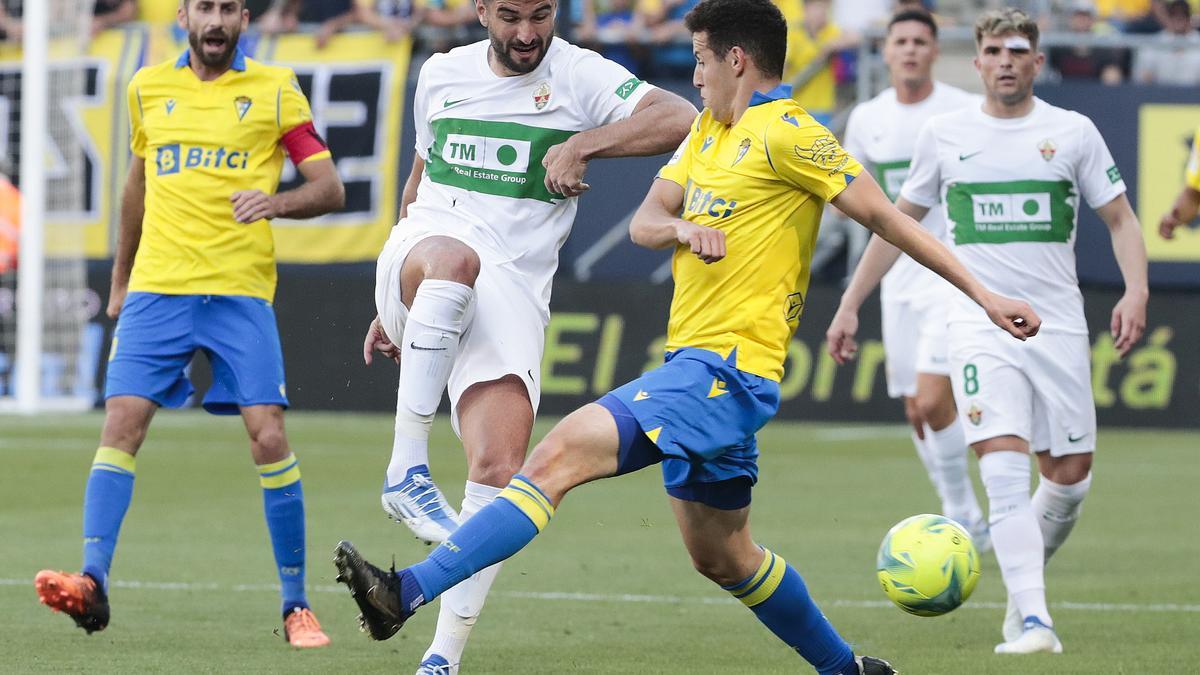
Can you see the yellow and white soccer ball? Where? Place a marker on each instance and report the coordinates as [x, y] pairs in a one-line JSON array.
[[928, 565]]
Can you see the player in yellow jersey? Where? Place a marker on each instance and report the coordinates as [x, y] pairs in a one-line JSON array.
[[750, 182], [209, 131], [1187, 204]]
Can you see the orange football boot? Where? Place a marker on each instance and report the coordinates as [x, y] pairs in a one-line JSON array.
[[302, 629], [76, 595]]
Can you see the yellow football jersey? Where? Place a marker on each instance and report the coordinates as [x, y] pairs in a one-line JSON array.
[[202, 142], [1193, 165], [763, 182]]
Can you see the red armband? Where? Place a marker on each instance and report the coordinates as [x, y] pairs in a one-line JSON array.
[[303, 142]]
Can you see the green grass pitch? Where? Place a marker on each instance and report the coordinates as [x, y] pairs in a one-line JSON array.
[[607, 589]]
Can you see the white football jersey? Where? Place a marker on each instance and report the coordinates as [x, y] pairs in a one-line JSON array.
[[881, 134], [483, 138], [1010, 190]]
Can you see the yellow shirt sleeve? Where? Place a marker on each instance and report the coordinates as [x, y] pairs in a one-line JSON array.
[[293, 106], [806, 155], [293, 112], [137, 133], [677, 168], [1193, 165]]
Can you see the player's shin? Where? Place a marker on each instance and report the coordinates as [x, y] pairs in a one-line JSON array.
[[462, 604], [109, 491], [949, 449], [283, 506], [429, 347], [779, 598], [496, 533], [1057, 509], [1016, 537]]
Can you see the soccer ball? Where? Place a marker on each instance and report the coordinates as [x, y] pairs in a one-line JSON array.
[[928, 565]]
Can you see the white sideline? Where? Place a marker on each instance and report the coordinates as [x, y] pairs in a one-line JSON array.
[[631, 598]]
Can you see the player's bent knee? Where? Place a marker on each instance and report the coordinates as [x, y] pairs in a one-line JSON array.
[[126, 421], [269, 443], [451, 260], [719, 568], [495, 468]]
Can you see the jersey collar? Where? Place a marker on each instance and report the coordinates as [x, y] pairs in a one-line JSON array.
[[781, 91], [239, 59]]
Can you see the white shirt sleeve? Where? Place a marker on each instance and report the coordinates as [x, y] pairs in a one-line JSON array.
[[923, 186], [1096, 173], [424, 130], [852, 141], [605, 89]]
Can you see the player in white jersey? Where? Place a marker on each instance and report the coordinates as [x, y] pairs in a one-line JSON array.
[[504, 130], [915, 301], [1011, 176]]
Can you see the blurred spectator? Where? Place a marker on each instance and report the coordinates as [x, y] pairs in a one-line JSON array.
[[10, 225], [1129, 16], [394, 18], [331, 17], [10, 20], [673, 56], [109, 13], [612, 28], [808, 66], [1108, 65], [1176, 59], [857, 16]]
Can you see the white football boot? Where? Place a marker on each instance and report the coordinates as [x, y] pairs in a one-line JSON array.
[[1035, 637], [1013, 626], [418, 503]]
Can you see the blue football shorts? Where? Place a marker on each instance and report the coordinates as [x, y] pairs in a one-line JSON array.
[[696, 414], [157, 335]]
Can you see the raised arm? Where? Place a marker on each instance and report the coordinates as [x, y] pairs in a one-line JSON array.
[[863, 201], [658, 123], [1129, 315], [129, 234]]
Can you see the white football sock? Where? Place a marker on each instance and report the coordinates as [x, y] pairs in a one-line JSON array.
[[925, 453], [949, 449], [427, 352], [1057, 508], [1016, 537], [461, 605]]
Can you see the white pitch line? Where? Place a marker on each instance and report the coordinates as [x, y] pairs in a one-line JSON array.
[[631, 598]]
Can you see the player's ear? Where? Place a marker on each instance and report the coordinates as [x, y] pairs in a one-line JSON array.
[[737, 59], [181, 14], [481, 11]]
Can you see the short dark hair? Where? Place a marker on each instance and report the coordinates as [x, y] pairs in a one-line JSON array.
[[918, 15], [757, 26]]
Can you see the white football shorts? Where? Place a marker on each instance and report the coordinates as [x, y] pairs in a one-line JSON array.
[[914, 340], [1039, 390], [505, 332]]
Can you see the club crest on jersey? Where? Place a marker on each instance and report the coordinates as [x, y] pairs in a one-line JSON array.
[[1047, 148], [170, 106], [795, 305], [242, 105], [742, 150], [541, 95], [975, 414]]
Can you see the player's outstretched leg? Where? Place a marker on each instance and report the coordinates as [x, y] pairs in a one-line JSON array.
[[581, 448], [714, 521], [442, 272]]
